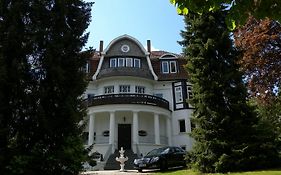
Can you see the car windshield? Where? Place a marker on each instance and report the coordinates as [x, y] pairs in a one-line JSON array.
[[158, 151]]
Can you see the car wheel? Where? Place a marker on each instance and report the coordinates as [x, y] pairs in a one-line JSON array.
[[163, 165], [139, 170]]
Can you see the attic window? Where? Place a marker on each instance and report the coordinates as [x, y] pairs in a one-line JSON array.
[[125, 62], [129, 62], [113, 62], [169, 66], [121, 62], [165, 67], [173, 67], [137, 62]]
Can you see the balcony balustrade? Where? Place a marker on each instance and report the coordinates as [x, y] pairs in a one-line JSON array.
[[143, 99]]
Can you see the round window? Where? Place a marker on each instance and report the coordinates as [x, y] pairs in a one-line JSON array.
[[125, 48]]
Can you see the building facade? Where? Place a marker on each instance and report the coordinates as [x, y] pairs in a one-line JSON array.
[[137, 98]]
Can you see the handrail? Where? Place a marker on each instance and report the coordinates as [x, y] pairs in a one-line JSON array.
[[128, 98], [107, 153], [138, 150]]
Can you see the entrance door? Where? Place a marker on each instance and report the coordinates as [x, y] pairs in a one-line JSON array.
[[124, 136]]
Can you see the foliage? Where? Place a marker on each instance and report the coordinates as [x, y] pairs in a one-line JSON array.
[[270, 116], [227, 136], [41, 84], [260, 44], [240, 10]]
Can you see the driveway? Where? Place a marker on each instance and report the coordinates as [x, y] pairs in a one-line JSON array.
[[117, 172]]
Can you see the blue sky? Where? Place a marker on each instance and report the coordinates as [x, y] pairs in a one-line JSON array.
[[156, 20]]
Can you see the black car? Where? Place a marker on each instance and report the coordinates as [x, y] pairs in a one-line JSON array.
[[162, 158]]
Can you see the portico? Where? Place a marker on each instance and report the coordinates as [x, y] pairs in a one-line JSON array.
[[147, 127]]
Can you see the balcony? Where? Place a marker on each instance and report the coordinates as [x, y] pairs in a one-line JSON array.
[[143, 99]]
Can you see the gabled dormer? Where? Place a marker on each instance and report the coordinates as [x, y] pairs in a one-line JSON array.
[[125, 56], [169, 64]]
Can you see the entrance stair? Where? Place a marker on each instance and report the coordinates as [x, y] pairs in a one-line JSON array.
[[112, 164]]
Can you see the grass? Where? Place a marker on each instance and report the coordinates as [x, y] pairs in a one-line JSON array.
[[190, 172]]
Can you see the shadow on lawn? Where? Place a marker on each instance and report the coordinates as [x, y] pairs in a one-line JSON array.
[[164, 171]]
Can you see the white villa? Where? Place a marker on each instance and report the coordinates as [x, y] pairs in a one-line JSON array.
[[137, 98]]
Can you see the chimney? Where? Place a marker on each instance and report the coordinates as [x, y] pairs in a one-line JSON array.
[[148, 46], [101, 46]]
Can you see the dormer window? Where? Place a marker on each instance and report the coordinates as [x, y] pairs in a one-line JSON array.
[[129, 62], [121, 62], [137, 62], [169, 66], [125, 62], [113, 62], [173, 67], [165, 67]]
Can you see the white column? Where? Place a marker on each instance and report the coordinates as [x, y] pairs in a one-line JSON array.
[[156, 129], [168, 130], [111, 128], [135, 128], [91, 129]]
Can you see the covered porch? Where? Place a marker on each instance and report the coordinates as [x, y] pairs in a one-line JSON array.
[[132, 127]]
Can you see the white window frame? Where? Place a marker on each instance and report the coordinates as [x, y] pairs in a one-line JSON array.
[[113, 62], [129, 62], [137, 61], [139, 89], [108, 89], [119, 61], [166, 63], [174, 63], [124, 89], [178, 94], [189, 92], [182, 120]]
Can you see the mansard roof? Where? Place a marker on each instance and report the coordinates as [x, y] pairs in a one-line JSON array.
[[153, 58], [155, 61]]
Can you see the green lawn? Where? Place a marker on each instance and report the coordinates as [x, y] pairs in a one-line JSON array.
[[190, 172]]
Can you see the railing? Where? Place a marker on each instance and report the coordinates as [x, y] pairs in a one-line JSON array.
[[138, 150], [108, 152], [144, 99]]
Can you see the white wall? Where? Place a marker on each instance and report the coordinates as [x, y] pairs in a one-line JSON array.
[[146, 119], [164, 88], [181, 139], [98, 88]]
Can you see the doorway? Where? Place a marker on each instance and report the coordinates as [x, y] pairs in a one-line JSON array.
[[124, 136]]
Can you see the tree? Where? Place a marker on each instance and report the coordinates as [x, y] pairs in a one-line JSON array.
[[271, 116], [226, 134], [240, 10], [260, 44], [41, 85]]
